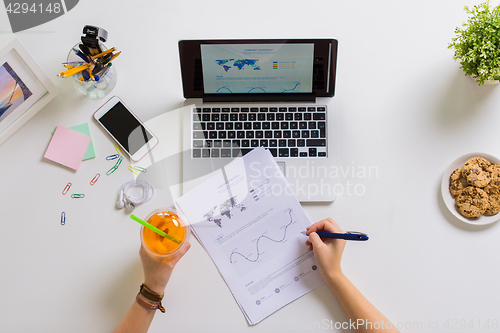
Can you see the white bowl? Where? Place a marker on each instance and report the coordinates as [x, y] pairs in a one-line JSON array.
[[450, 201]]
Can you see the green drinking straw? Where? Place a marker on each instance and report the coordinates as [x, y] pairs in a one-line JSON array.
[[155, 229]]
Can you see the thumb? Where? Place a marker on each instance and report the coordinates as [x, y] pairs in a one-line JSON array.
[[315, 240]]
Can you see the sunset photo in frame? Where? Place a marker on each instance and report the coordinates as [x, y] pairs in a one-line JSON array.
[[24, 88]]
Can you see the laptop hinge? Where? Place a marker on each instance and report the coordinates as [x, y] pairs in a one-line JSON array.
[[258, 98]]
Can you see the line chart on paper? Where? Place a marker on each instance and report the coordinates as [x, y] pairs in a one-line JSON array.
[[266, 241], [263, 237]]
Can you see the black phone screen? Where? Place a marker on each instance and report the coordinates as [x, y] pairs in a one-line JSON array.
[[125, 128]]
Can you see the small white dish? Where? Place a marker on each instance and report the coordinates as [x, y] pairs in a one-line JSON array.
[[450, 201]]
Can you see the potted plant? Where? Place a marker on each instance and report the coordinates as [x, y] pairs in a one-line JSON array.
[[477, 44]]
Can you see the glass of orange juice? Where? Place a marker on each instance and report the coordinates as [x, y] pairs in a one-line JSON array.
[[170, 223]]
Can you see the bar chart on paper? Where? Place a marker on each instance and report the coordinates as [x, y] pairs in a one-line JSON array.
[[263, 242]]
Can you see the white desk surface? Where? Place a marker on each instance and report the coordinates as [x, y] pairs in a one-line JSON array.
[[403, 108]]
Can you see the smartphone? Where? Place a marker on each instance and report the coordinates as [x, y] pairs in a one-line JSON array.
[[125, 128]]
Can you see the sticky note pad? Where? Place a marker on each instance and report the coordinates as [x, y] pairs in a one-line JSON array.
[[67, 147], [84, 129]]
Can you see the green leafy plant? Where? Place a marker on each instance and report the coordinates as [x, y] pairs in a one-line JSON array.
[[477, 43]]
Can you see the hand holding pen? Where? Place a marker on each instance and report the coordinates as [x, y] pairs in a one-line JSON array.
[[349, 235], [328, 255], [323, 233], [327, 251]]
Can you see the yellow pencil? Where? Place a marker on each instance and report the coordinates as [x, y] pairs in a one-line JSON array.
[[75, 70], [68, 66], [103, 53], [91, 75], [116, 55]]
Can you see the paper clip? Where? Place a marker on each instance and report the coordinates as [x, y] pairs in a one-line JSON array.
[[118, 150], [66, 189], [141, 169], [63, 218], [78, 196], [134, 170], [112, 157], [118, 162], [96, 177], [113, 169]]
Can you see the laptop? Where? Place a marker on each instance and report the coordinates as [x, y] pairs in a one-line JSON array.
[[272, 93]]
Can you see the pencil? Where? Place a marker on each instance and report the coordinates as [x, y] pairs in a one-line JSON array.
[[74, 70], [103, 53], [114, 56]]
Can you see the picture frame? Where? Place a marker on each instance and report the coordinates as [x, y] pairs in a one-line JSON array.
[[24, 87]]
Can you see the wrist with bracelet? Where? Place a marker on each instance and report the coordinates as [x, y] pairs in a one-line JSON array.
[[149, 298]]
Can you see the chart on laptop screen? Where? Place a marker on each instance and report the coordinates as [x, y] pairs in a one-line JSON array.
[[257, 68]]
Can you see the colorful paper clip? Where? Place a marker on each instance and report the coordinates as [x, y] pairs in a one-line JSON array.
[[118, 150], [63, 218], [66, 189], [141, 169], [137, 172], [96, 177], [112, 157], [78, 196], [113, 169]]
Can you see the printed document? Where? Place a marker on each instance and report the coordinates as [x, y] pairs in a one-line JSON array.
[[249, 221]]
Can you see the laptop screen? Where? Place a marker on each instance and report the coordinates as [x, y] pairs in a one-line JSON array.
[[257, 68]]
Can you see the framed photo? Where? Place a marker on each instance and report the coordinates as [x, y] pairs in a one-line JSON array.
[[24, 88]]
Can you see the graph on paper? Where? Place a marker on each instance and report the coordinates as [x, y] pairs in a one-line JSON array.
[[265, 241]]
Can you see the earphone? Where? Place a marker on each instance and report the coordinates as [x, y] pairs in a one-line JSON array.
[[130, 202]]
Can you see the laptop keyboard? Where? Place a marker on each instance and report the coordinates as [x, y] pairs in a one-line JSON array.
[[292, 131]]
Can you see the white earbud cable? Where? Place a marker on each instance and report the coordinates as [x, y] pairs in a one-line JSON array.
[[129, 201]]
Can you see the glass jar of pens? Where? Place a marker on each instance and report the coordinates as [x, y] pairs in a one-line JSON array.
[[96, 82], [89, 63]]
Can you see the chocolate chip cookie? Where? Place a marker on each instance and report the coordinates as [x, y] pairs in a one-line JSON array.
[[457, 182], [494, 170], [472, 202], [476, 172], [494, 200]]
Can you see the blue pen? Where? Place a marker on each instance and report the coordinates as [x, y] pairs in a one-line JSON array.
[[81, 55], [350, 235], [86, 75], [73, 63]]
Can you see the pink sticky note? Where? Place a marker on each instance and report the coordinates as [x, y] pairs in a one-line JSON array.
[[67, 147]]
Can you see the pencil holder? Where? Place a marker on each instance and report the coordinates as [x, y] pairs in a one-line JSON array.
[[101, 85]]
